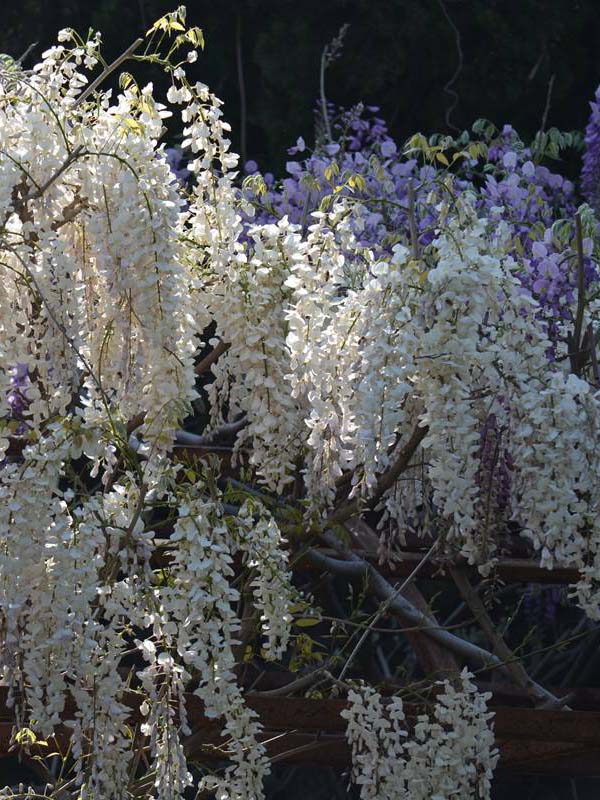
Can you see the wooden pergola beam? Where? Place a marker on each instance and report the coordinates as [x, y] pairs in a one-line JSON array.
[[312, 732]]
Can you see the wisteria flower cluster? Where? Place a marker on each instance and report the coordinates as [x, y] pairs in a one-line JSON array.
[[401, 194], [100, 318], [449, 753]]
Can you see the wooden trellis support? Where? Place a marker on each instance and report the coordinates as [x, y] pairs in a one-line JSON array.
[[311, 732]]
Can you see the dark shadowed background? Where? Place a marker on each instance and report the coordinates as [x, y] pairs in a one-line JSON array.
[[398, 54]]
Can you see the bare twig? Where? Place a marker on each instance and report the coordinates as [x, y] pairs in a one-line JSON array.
[[324, 110], [385, 482], [448, 87], [547, 106], [303, 682], [356, 567], [383, 608], [576, 360], [22, 57], [533, 71], [499, 646], [241, 85], [194, 440], [73, 155], [70, 212], [593, 355], [107, 71], [296, 750], [328, 56], [412, 221]]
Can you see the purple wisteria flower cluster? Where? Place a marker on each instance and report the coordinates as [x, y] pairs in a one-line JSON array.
[[17, 399], [175, 160], [590, 172], [506, 178], [495, 472], [364, 150]]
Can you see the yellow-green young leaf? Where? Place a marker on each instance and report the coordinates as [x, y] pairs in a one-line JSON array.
[[258, 185], [196, 37], [125, 80], [27, 736], [190, 475], [179, 40], [129, 732], [248, 654], [356, 182], [477, 149], [7, 62], [417, 142], [331, 171], [307, 622], [159, 25], [145, 105], [132, 124], [296, 607], [442, 159]]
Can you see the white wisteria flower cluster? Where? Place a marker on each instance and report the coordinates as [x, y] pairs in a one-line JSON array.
[[447, 344], [448, 753], [103, 303]]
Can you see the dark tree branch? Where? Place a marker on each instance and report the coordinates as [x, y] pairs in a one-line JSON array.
[[385, 482]]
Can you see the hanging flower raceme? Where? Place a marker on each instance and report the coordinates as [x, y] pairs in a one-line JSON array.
[[100, 327], [97, 304], [248, 301], [590, 172], [195, 618], [448, 753]]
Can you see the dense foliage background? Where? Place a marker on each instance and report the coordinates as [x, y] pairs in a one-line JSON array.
[[398, 54]]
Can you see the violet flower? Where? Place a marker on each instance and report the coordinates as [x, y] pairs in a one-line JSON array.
[[590, 172]]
